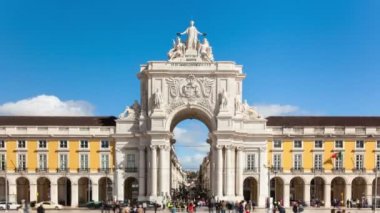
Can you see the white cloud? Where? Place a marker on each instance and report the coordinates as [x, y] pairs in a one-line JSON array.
[[47, 105], [266, 110]]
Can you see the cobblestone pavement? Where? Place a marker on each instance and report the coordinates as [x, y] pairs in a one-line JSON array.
[[205, 210]]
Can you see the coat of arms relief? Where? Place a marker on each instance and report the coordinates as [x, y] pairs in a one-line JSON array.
[[190, 90]]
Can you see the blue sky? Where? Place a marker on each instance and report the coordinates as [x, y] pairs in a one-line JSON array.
[[81, 57]]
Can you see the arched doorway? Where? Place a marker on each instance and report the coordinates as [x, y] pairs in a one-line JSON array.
[[23, 189], [250, 189], [338, 191], [277, 189], [359, 189], [131, 189], [4, 192], [297, 188], [105, 189], [43, 189], [317, 191], [84, 190], [376, 189], [64, 191]]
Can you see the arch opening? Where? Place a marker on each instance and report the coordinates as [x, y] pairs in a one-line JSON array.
[[64, 191], [193, 113], [359, 189], [338, 191], [105, 189], [23, 190], [250, 190], [297, 188], [131, 189], [277, 189], [84, 191], [43, 189], [317, 192]]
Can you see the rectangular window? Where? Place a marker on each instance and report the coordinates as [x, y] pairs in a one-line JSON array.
[[378, 144], [297, 144], [359, 161], [42, 165], [21, 161], [2, 162], [21, 144], [42, 144], [318, 144], [277, 161], [84, 161], [2, 144], [360, 144], [105, 161], [339, 144], [318, 161], [63, 144], [277, 144], [104, 144], [250, 161], [63, 161], [297, 161], [378, 162], [84, 144], [130, 161], [339, 163]]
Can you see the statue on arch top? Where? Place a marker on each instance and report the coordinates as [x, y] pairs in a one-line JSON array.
[[192, 36], [178, 49]]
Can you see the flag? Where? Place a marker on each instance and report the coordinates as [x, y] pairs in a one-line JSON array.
[[337, 155]]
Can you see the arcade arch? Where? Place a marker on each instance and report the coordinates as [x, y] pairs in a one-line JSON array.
[[105, 189], [277, 189], [43, 189], [64, 191], [359, 187], [250, 189], [297, 188], [23, 189], [338, 191], [131, 189], [4, 192], [84, 190], [317, 191]]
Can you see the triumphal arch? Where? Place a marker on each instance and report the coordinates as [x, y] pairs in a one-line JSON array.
[[191, 84]]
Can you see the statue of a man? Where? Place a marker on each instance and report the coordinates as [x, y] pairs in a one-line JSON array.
[[223, 99], [192, 36], [205, 51], [178, 49], [157, 98]]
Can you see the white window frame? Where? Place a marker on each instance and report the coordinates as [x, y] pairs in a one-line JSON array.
[[274, 160], [341, 165], [377, 165], [281, 142], [315, 142], [134, 165], [101, 144], [294, 144], [295, 164], [101, 161], [356, 144], [18, 143], [5, 144], [314, 161], [67, 144], [39, 161], [80, 161], [250, 161], [339, 147], [84, 148], [60, 161], [362, 161], [377, 144], [18, 160], [3, 168], [43, 148]]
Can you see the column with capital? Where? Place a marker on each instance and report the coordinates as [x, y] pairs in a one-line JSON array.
[[95, 192], [142, 171], [369, 194], [286, 194], [164, 168], [219, 171], [153, 170], [119, 174], [307, 194], [327, 196], [347, 195], [74, 194]]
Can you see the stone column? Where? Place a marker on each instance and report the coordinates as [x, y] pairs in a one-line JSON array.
[[239, 172], [327, 196], [74, 194], [306, 194], [12, 191], [54, 192], [348, 194], [119, 174], [264, 176], [95, 191], [369, 194], [142, 171], [153, 170], [164, 169], [286, 193], [219, 169], [33, 192], [227, 187]]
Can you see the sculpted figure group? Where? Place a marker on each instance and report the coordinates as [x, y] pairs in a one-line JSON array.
[[192, 43]]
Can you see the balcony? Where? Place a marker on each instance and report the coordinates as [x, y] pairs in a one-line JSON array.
[[276, 169], [42, 170], [318, 170], [250, 170], [21, 170], [338, 170], [105, 170], [359, 170], [83, 170], [63, 170], [130, 169], [296, 170]]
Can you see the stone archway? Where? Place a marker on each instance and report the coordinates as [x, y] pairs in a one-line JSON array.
[[43, 189], [277, 189], [4, 192], [297, 188], [338, 191], [250, 189], [131, 189], [376, 189], [84, 190], [317, 191], [359, 189], [23, 189], [105, 189], [64, 191]]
